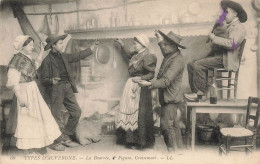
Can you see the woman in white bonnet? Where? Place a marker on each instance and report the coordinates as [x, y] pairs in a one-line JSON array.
[[36, 127], [134, 120]]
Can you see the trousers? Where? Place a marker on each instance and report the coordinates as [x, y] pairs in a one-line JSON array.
[[62, 94], [170, 126], [197, 72]]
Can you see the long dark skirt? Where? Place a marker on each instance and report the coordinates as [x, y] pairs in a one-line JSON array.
[[144, 135]]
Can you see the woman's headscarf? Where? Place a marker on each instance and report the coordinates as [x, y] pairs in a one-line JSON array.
[[19, 41], [143, 40]]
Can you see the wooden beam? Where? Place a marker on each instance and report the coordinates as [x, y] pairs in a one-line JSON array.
[[37, 2], [89, 10], [131, 31]]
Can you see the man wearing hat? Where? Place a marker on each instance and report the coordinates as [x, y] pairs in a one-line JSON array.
[[56, 76], [226, 56], [169, 82]]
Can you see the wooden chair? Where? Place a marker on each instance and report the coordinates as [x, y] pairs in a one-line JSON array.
[[216, 75], [6, 98], [246, 134], [6, 138], [4, 104]]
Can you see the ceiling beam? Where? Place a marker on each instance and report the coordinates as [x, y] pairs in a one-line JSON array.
[[36, 2]]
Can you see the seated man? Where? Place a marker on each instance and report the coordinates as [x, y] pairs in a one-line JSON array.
[[226, 55]]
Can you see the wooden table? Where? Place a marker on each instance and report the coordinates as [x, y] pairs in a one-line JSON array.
[[222, 106]]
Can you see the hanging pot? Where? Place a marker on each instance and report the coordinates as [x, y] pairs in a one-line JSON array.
[[102, 54]]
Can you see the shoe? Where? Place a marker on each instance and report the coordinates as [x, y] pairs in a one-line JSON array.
[[191, 96], [70, 143], [27, 152], [170, 149], [41, 151], [175, 151], [73, 138], [204, 98], [131, 146], [57, 147], [65, 137]]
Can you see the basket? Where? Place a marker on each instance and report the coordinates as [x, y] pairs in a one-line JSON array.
[[205, 133]]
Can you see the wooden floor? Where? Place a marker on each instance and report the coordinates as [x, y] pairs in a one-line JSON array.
[[107, 147]]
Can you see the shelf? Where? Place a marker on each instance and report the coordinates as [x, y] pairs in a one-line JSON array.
[[39, 2], [131, 31], [136, 27]]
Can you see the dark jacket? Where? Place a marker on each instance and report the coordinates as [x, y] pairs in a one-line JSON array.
[[169, 79], [144, 64], [236, 33], [49, 67]]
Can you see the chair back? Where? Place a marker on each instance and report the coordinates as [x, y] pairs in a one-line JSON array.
[[241, 50], [253, 100]]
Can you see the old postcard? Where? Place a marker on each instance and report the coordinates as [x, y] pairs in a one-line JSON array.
[[130, 81]]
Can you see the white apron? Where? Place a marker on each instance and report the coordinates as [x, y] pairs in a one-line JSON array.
[[36, 127]]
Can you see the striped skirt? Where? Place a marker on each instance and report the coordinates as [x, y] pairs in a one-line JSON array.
[[127, 116]]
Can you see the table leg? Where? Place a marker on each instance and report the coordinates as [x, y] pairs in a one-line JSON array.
[[188, 127], [193, 123]]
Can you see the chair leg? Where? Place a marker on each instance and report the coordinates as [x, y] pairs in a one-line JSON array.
[[246, 143], [228, 140], [254, 142], [215, 73], [235, 92], [188, 128], [210, 76], [235, 86], [219, 144], [229, 84]]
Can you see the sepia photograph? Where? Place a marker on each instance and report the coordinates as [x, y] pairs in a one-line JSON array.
[[130, 81]]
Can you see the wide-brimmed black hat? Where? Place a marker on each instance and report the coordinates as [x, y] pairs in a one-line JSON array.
[[52, 39], [241, 13], [171, 37]]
